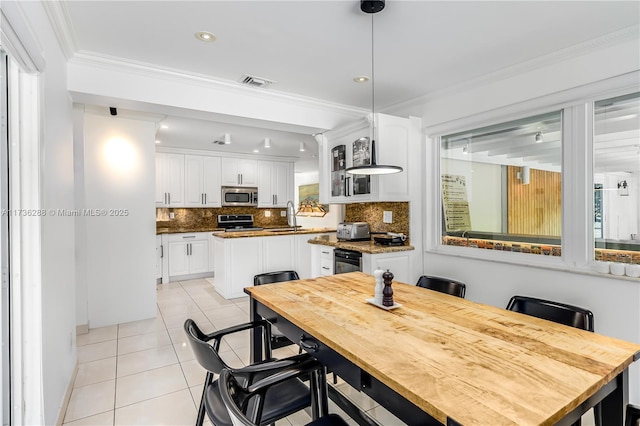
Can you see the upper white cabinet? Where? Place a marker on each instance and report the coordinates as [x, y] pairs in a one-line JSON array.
[[169, 180], [397, 143], [239, 172], [275, 183], [202, 181]]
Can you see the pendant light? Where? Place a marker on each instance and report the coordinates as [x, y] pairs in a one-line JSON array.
[[373, 6]]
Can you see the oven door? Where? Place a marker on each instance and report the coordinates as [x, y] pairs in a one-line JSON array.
[[346, 261]]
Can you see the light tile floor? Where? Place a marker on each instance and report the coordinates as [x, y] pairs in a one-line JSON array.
[[144, 373]]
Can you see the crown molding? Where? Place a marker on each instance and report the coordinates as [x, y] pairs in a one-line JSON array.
[[631, 33], [58, 15], [92, 59]]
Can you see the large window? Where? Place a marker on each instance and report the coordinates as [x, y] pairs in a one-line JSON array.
[[616, 168], [501, 186]]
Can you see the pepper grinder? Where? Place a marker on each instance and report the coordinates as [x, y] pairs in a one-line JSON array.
[[387, 292], [377, 295]]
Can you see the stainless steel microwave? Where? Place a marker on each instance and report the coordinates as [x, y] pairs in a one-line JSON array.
[[234, 196]]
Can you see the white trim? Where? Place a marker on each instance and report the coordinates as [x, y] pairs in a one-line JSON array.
[[18, 40], [67, 396], [221, 154], [58, 15], [630, 33], [625, 83], [111, 63]]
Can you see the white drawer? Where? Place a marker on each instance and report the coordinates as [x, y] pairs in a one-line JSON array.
[[326, 253], [326, 266]]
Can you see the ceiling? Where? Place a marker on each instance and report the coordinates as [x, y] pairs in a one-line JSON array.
[[314, 49]]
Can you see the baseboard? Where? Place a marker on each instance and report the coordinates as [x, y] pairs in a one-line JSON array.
[[82, 329], [67, 396]]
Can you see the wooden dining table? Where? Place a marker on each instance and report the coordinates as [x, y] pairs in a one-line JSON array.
[[440, 359]]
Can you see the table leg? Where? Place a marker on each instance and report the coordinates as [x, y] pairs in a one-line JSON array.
[[614, 404], [255, 343]]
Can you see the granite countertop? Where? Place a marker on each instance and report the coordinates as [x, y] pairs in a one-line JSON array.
[[361, 246], [271, 232]]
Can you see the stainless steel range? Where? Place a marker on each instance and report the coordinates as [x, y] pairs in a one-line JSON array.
[[237, 222]]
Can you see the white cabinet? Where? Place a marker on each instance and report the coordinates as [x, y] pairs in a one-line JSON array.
[[169, 180], [322, 260], [275, 183], [202, 181], [188, 254], [238, 260], [398, 143], [239, 172], [159, 256], [279, 253], [396, 262]]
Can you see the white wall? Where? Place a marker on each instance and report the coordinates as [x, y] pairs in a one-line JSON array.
[[119, 173], [614, 302], [331, 219], [57, 185], [484, 192], [620, 213]]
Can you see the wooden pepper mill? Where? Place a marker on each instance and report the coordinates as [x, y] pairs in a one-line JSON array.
[[387, 292]]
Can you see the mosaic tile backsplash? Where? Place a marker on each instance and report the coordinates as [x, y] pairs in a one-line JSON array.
[[372, 214], [198, 218]]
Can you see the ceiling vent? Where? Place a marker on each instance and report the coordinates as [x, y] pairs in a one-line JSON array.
[[254, 81]]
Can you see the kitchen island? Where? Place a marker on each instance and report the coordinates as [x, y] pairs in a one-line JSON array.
[[240, 255]]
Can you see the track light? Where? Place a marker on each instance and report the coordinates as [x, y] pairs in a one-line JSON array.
[[267, 143], [227, 138], [302, 147], [113, 110]]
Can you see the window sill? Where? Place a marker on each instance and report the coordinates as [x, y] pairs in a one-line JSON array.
[[523, 259]]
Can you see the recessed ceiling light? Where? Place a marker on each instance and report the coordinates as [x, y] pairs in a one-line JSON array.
[[361, 79], [256, 150], [205, 36], [157, 140], [164, 126]]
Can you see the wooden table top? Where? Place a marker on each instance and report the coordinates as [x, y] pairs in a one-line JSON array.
[[477, 364]]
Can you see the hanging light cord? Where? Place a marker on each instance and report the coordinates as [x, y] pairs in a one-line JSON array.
[[373, 80]]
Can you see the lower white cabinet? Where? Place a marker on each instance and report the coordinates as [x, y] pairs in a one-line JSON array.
[[238, 260], [159, 256], [396, 262], [322, 260], [188, 254]]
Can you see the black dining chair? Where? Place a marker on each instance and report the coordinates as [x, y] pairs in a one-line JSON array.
[[443, 285], [237, 397], [561, 313], [279, 340], [633, 415], [290, 396]]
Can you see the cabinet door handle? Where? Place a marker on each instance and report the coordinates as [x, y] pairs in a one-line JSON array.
[[205, 198], [161, 251], [324, 267], [276, 198], [241, 178], [189, 236], [169, 197], [325, 252]]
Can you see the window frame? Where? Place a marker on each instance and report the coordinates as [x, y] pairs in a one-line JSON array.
[[577, 239]]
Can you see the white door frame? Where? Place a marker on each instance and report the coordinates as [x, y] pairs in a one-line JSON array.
[[25, 137]]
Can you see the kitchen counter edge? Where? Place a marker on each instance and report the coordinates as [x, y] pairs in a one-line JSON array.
[[368, 247], [272, 233]]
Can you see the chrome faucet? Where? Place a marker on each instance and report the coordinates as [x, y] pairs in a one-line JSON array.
[[291, 215], [465, 234]]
